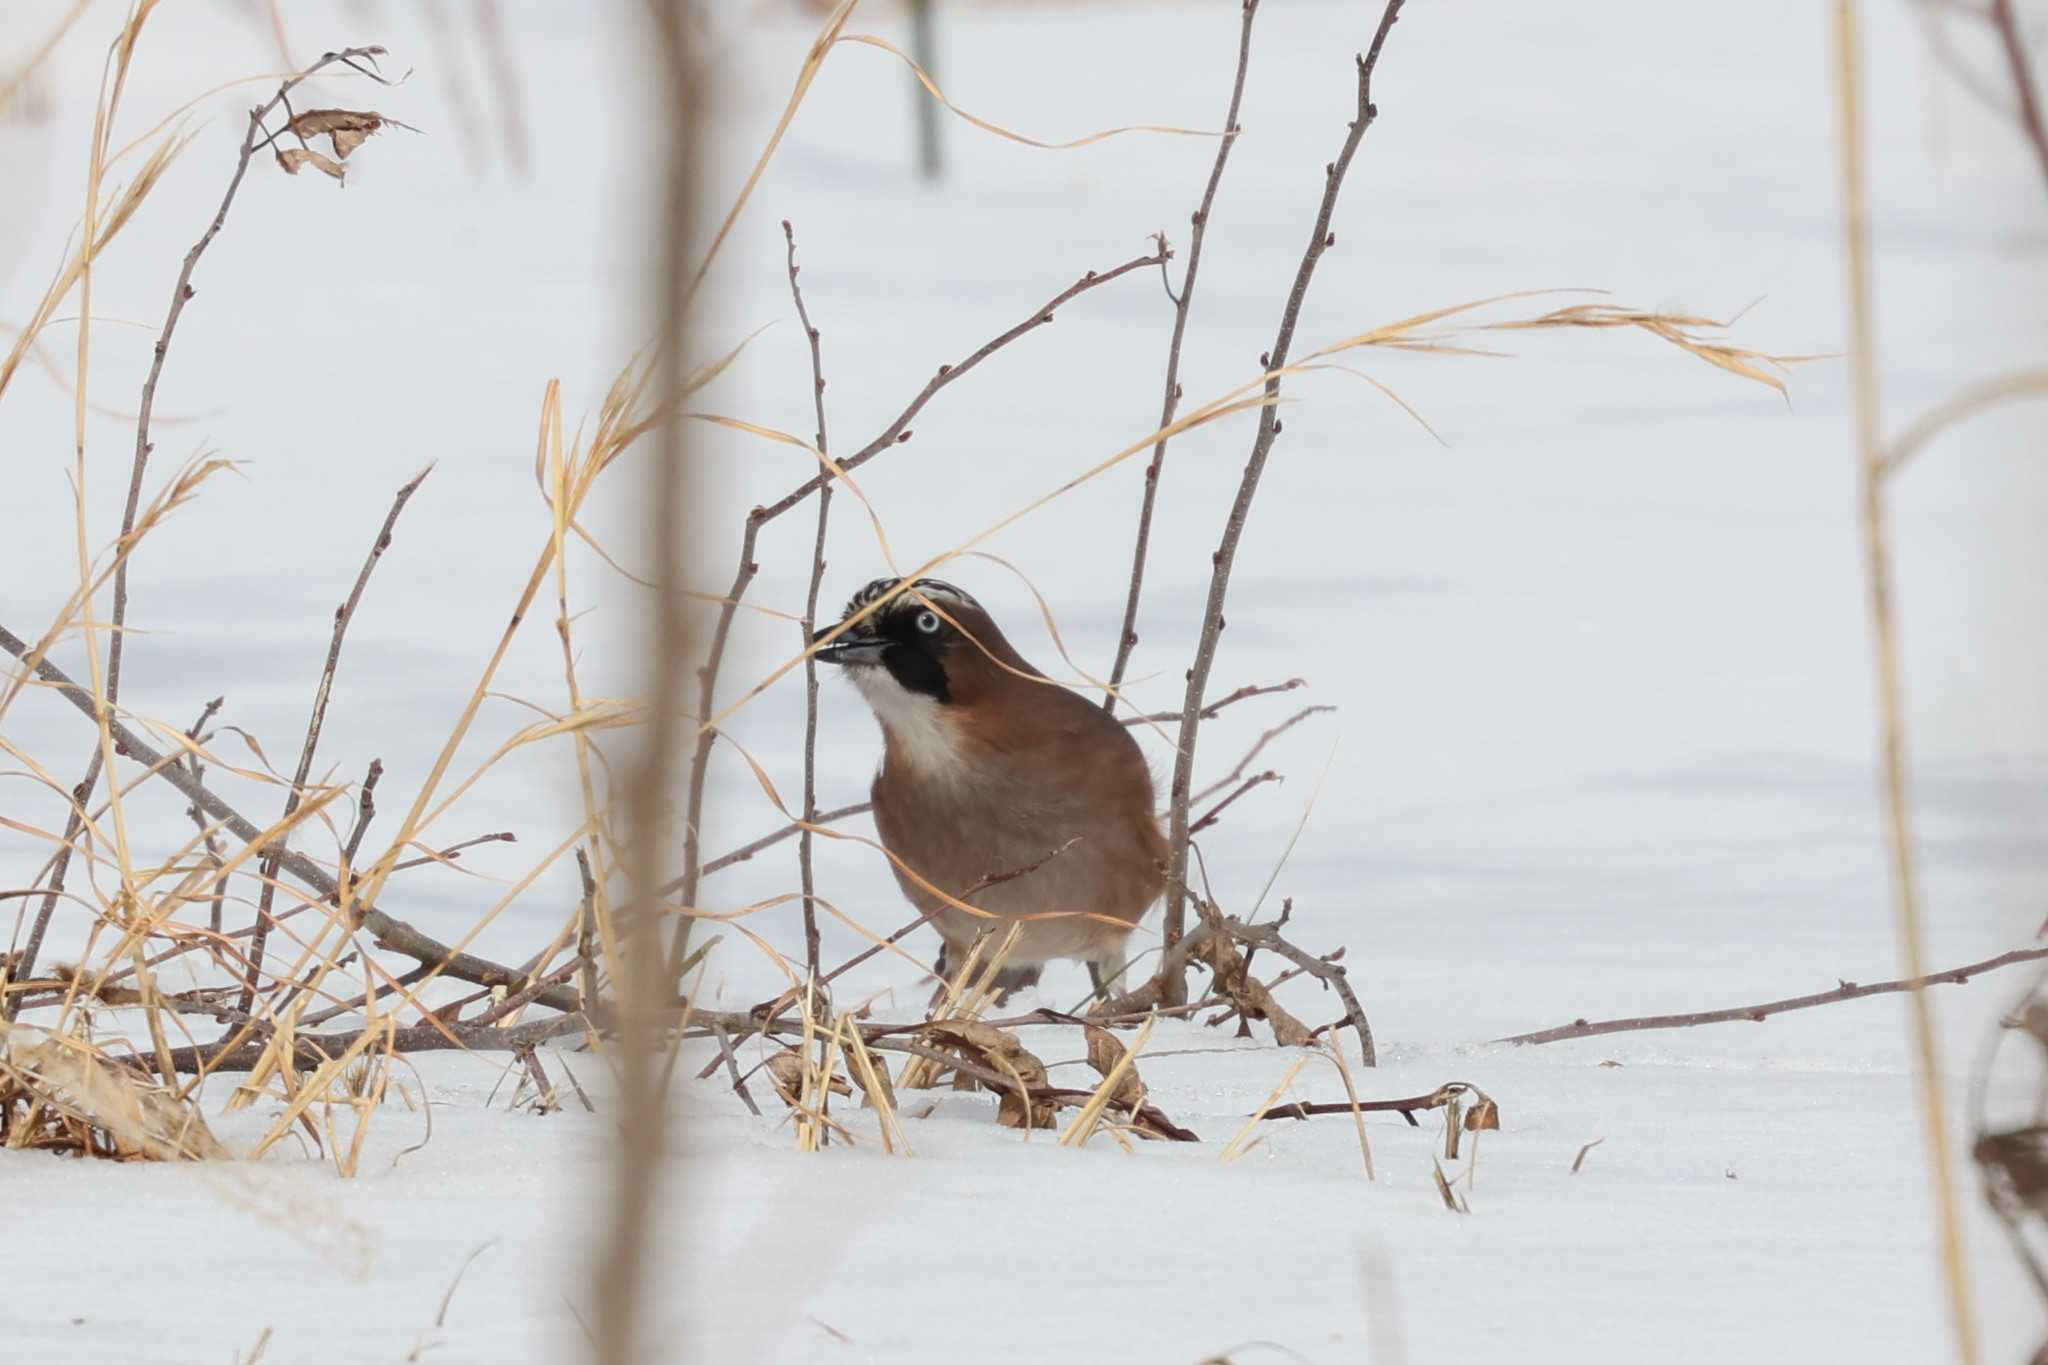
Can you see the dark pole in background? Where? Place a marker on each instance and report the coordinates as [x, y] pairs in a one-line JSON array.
[[928, 159]]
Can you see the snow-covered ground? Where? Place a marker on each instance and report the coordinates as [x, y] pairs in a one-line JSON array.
[[1604, 743]]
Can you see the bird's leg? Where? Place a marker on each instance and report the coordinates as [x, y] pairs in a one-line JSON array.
[[1105, 970], [1010, 980]]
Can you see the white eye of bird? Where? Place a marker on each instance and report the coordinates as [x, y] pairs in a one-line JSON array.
[[928, 622]]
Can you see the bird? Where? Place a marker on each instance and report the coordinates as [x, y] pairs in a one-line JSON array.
[[999, 787]]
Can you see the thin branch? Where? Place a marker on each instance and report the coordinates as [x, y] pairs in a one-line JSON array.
[[766, 841], [1257, 748], [1407, 1106], [899, 430], [454, 851], [1326, 970], [1127, 638], [1320, 240], [810, 626], [732, 1067], [1848, 990], [207, 836], [1215, 812], [1248, 691], [313, 1050], [342, 616]]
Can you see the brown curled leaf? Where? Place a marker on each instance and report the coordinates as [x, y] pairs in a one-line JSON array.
[[1104, 1052], [292, 158], [786, 1073], [346, 129]]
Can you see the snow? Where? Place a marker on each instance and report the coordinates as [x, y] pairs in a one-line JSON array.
[[1606, 728]]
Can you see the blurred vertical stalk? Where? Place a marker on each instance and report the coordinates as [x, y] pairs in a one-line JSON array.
[[924, 50], [1891, 697], [649, 984]]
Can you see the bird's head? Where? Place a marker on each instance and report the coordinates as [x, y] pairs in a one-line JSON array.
[[930, 645]]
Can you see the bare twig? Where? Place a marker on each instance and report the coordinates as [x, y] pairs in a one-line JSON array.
[[1323, 969], [1215, 812], [313, 1050], [2003, 19], [342, 616], [1127, 639], [455, 850], [1848, 990], [366, 811], [1407, 1106], [899, 429], [1208, 712], [810, 626], [766, 841], [1258, 747], [732, 1067], [1580, 1159], [206, 832], [1320, 240]]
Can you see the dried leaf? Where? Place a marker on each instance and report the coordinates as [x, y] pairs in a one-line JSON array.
[[786, 1073], [992, 1047], [1010, 1113], [291, 158], [1485, 1114], [346, 129]]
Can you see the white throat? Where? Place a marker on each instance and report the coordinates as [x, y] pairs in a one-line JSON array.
[[923, 734]]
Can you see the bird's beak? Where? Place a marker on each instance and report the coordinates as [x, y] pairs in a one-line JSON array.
[[850, 648]]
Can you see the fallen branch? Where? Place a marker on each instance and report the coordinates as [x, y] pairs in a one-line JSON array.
[[389, 932], [1848, 990]]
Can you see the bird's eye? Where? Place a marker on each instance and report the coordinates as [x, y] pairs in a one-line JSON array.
[[928, 622]]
